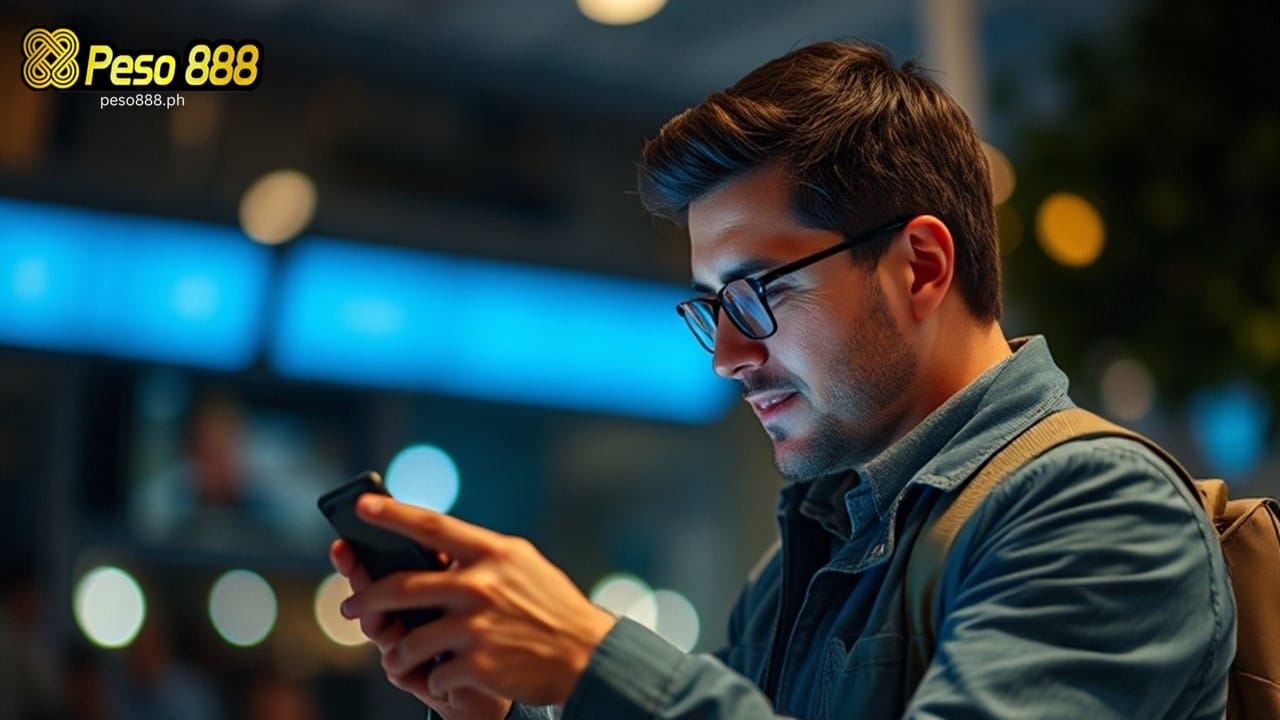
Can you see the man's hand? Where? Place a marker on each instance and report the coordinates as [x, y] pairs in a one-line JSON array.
[[514, 625], [385, 631]]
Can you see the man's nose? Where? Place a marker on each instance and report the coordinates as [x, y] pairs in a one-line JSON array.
[[736, 353]]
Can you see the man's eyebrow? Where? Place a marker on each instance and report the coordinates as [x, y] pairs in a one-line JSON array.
[[747, 267]]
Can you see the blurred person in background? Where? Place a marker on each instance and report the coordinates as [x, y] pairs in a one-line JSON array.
[[844, 252], [211, 496]]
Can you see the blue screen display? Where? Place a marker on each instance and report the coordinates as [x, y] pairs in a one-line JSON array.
[[130, 286], [497, 331]]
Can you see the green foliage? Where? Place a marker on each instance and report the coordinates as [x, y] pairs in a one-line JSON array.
[[1172, 131]]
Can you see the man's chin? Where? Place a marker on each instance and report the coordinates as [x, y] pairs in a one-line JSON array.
[[803, 457], [782, 431], [797, 471], [793, 459]]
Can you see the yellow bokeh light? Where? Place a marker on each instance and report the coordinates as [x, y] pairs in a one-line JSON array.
[[620, 12], [1070, 230], [329, 596], [278, 206]]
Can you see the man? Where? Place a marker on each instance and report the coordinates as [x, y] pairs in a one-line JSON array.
[[843, 245]]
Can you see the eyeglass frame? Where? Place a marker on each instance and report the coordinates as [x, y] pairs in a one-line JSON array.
[[760, 282]]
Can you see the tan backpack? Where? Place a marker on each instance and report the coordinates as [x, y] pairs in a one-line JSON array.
[[1249, 530]]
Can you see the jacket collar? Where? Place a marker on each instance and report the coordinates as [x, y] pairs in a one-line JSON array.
[[946, 447]]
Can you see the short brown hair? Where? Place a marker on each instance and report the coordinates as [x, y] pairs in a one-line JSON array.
[[865, 142]]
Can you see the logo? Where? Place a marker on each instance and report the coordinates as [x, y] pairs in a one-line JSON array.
[[52, 60]]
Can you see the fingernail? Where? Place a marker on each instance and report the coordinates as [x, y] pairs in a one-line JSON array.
[[373, 505], [347, 609]]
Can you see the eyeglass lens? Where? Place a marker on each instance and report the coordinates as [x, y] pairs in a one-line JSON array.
[[748, 312]]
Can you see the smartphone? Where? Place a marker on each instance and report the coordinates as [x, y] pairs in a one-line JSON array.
[[380, 551]]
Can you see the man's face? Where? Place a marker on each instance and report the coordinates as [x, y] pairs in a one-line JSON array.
[[829, 383]]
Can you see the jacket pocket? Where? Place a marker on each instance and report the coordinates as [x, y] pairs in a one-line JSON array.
[[864, 680]]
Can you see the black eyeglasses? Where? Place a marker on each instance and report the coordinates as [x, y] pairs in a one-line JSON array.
[[746, 302]]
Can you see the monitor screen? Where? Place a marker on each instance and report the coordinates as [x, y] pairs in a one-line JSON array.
[[225, 467]]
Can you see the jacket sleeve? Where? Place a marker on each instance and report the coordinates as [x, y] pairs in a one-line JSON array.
[[637, 675], [1085, 585], [530, 712]]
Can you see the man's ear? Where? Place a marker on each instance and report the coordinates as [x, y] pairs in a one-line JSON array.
[[930, 254]]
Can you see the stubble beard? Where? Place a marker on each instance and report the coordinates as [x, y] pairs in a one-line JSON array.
[[859, 423]]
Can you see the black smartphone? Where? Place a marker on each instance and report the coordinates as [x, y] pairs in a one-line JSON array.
[[380, 551]]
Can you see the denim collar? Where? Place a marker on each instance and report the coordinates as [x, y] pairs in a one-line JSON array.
[[945, 448]]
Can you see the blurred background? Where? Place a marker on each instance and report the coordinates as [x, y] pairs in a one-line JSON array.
[[415, 247]]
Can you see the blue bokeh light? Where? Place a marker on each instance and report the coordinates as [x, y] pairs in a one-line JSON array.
[[1229, 426], [424, 475]]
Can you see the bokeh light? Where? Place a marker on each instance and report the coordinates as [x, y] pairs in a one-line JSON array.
[[109, 607], [424, 475], [1070, 230], [329, 596], [627, 595], [620, 12], [277, 206], [1128, 389], [243, 607], [677, 619], [1229, 425]]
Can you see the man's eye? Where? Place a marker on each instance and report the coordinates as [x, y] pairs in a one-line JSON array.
[[776, 291]]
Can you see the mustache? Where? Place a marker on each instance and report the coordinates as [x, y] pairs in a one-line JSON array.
[[758, 383]]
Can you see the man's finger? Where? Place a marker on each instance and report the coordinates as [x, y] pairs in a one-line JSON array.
[[427, 642], [414, 682], [343, 559], [459, 540], [384, 631], [456, 675], [411, 590]]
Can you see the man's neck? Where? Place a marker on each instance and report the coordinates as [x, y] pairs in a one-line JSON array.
[[954, 360]]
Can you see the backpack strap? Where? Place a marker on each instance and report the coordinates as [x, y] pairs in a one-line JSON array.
[[929, 552]]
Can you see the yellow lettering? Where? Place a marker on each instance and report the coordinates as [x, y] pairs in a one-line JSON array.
[[165, 68], [121, 67], [99, 59], [142, 65]]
